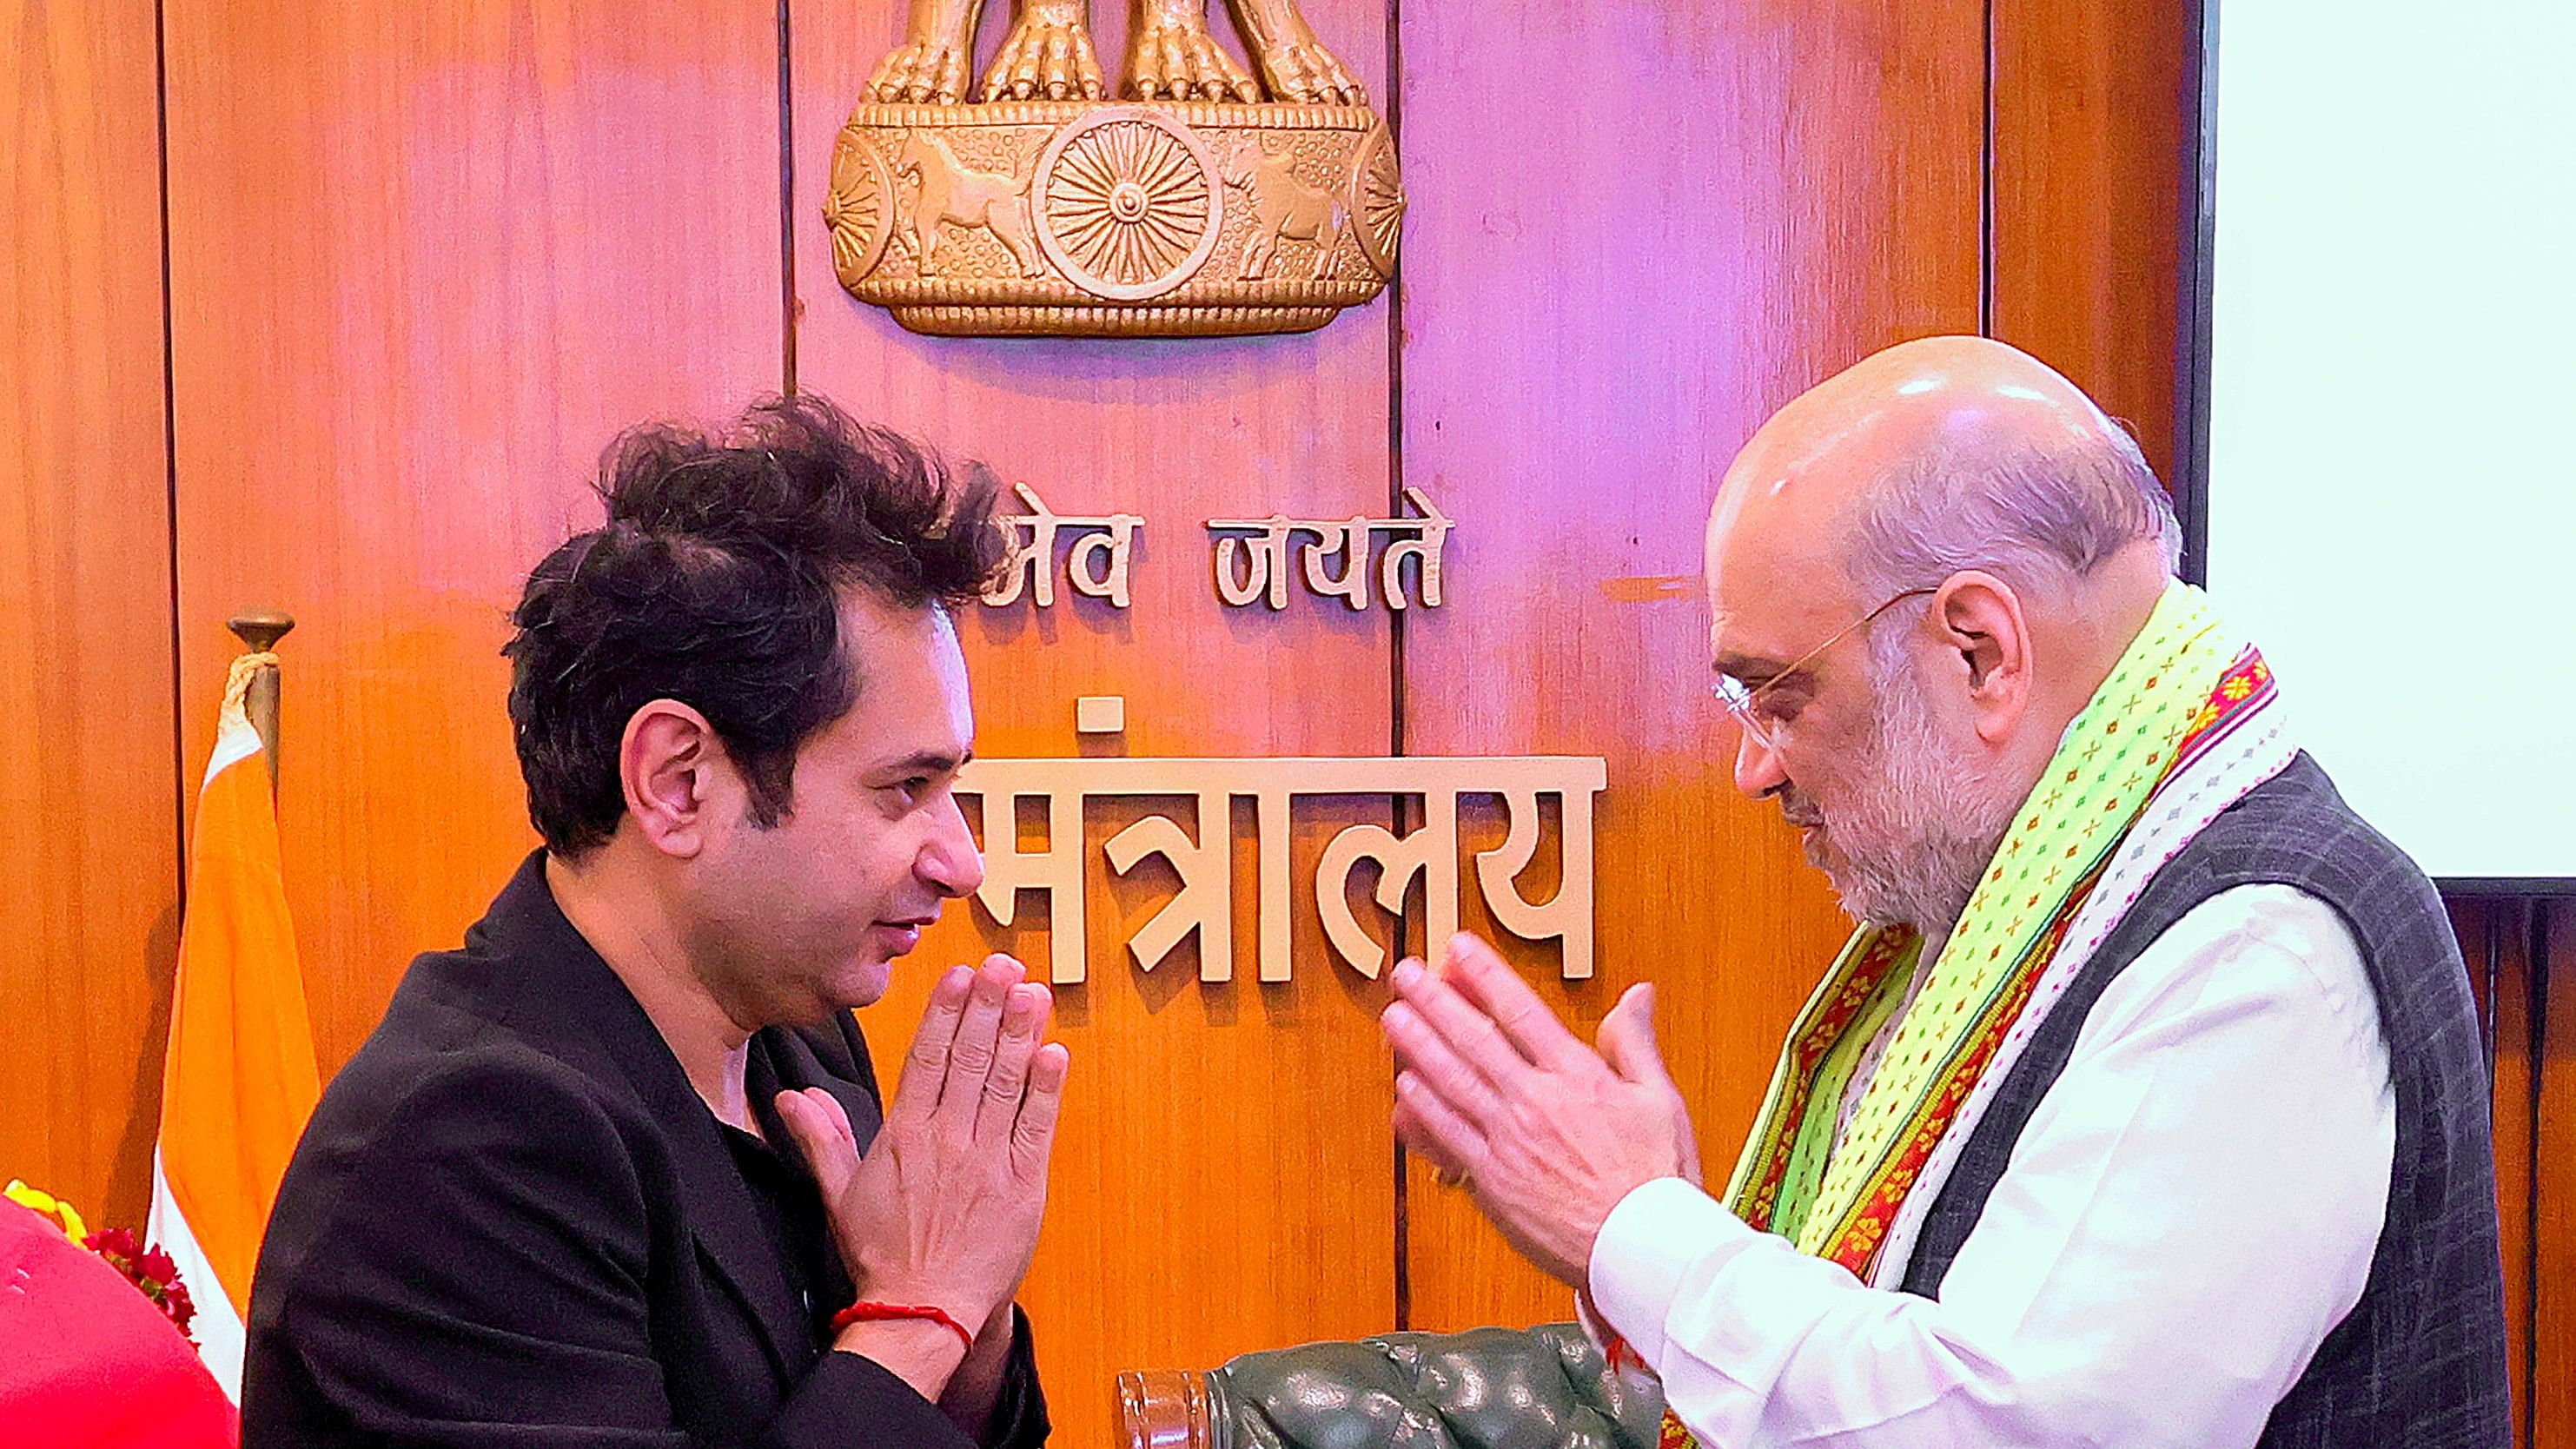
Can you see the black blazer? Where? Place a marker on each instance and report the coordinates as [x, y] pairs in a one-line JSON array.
[[512, 1222]]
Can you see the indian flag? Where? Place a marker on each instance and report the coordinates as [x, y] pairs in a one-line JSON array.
[[240, 1079]]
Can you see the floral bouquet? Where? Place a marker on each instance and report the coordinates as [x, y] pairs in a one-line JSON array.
[[148, 1269]]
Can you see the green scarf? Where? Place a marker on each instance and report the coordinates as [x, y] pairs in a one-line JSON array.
[[1836, 1200]]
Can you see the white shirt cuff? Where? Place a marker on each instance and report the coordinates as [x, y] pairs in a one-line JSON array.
[[1646, 1252]]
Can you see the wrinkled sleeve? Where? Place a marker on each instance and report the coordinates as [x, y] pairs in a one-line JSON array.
[[503, 1307], [2190, 1210], [1020, 1418]]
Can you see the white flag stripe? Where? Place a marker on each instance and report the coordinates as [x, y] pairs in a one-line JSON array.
[[217, 1328], [235, 741]]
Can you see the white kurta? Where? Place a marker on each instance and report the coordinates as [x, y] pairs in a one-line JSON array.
[[2193, 1205]]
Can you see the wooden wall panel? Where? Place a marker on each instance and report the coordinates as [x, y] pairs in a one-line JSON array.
[[91, 856], [1637, 228], [2553, 1225], [2495, 940], [425, 260], [1224, 1180], [2093, 116]]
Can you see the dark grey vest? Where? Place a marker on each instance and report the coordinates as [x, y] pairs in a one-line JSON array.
[[2420, 1361]]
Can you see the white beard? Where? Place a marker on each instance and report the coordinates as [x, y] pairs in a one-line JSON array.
[[1926, 818]]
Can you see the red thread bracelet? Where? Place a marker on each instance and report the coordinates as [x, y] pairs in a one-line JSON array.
[[866, 1312], [1622, 1356]]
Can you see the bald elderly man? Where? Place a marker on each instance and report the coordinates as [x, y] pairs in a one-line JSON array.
[[2144, 1108]]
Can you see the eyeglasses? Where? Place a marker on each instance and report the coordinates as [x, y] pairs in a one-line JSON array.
[[1746, 701]]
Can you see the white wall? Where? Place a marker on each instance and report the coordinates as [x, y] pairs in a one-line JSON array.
[[2392, 502]]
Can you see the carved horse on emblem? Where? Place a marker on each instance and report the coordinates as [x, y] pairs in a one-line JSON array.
[[1170, 56], [952, 191], [1284, 207]]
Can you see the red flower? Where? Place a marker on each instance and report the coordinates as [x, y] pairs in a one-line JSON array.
[[178, 1304], [149, 1269]]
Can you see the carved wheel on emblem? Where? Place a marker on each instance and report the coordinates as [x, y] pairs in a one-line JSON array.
[[1127, 203], [1377, 200], [859, 209]]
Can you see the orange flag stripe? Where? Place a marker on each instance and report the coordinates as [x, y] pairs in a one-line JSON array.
[[240, 1079]]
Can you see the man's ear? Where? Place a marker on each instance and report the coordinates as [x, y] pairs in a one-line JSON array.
[[666, 763], [1979, 617]]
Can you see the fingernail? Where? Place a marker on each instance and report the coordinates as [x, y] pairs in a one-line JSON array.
[[1407, 971]]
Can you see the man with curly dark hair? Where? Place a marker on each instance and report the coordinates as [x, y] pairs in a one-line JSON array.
[[618, 1171]]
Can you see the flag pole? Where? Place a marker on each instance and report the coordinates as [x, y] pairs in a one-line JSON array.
[[259, 630]]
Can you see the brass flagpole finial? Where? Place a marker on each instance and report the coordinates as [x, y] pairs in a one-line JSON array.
[[259, 630]]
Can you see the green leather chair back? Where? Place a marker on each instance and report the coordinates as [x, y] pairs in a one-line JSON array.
[[1488, 1388]]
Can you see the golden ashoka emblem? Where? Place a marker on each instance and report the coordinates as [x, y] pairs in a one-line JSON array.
[[859, 208], [1377, 200], [1128, 204]]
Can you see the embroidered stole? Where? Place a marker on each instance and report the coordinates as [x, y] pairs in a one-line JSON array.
[[2177, 680], [2183, 686]]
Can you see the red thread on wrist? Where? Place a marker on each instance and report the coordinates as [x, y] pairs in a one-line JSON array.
[[1621, 1355], [1613, 1347], [866, 1312]]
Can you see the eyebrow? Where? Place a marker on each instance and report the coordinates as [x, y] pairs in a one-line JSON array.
[[935, 762]]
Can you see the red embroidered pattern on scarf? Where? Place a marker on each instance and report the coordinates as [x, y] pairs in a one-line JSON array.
[[1800, 1080], [1857, 1239]]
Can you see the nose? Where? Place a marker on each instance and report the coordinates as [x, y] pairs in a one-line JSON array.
[[949, 861], [1758, 771]]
